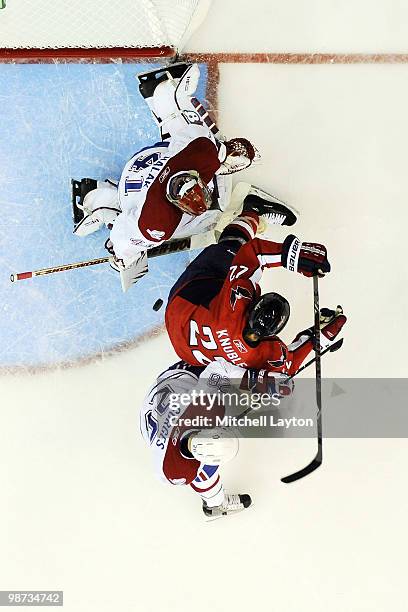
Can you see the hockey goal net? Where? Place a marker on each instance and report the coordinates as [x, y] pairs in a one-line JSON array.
[[97, 28]]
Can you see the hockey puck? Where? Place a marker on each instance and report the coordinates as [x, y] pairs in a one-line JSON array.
[[158, 304]]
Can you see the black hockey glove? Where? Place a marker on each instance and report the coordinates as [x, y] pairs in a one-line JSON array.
[[307, 258]]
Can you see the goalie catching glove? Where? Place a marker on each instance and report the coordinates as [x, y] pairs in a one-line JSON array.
[[307, 258], [239, 154]]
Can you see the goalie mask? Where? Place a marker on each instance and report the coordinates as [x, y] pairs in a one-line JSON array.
[[267, 317], [189, 193]]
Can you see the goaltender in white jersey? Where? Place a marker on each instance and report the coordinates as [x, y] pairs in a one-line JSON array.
[[175, 188]]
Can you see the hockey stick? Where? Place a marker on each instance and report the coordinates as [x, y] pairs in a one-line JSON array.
[[317, 460], [172, 246], [330, 349]]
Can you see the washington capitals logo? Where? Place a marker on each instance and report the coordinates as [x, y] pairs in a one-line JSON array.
[[237, 293], [277, 363]]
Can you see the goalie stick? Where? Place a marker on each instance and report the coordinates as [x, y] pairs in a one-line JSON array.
[[197, 241], [166, 248], [317, 460]]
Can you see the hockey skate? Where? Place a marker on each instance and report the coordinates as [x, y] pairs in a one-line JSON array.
[[94, 204], [79, 190], [268, 206], [149, 80], [232, 504]]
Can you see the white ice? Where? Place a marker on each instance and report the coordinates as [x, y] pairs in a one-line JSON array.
[[81, 508]]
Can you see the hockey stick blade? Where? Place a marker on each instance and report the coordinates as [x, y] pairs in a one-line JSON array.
[[313, 465], [335, 347], [317, 461]]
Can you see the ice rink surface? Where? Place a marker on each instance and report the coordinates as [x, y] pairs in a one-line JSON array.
[[82, 510], [63, 121]]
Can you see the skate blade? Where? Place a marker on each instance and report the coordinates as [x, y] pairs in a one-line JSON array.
[[271, 198], [211, 519]]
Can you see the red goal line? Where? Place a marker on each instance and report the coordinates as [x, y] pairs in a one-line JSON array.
[[299, 58]]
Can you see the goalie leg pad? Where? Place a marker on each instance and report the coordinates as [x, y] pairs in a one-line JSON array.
[[149, 80], [167, 92], [187, 85]]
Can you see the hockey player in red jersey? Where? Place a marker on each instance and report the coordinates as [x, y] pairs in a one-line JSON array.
[[215, 309]]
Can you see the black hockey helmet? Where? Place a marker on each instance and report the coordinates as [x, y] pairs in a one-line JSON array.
[[266, 318]]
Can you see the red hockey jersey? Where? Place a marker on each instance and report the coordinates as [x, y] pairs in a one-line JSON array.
[[200, 334]]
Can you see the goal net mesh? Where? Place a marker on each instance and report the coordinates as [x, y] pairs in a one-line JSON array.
[[96, 24]]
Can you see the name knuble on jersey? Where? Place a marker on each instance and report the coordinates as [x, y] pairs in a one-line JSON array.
[[229, 350]]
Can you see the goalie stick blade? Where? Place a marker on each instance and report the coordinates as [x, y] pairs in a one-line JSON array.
[[313, 465]]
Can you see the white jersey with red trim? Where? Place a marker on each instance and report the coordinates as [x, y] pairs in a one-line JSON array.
[[148, 217], [161, 409]]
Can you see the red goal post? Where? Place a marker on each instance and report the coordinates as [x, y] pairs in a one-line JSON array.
[[44, 30]]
